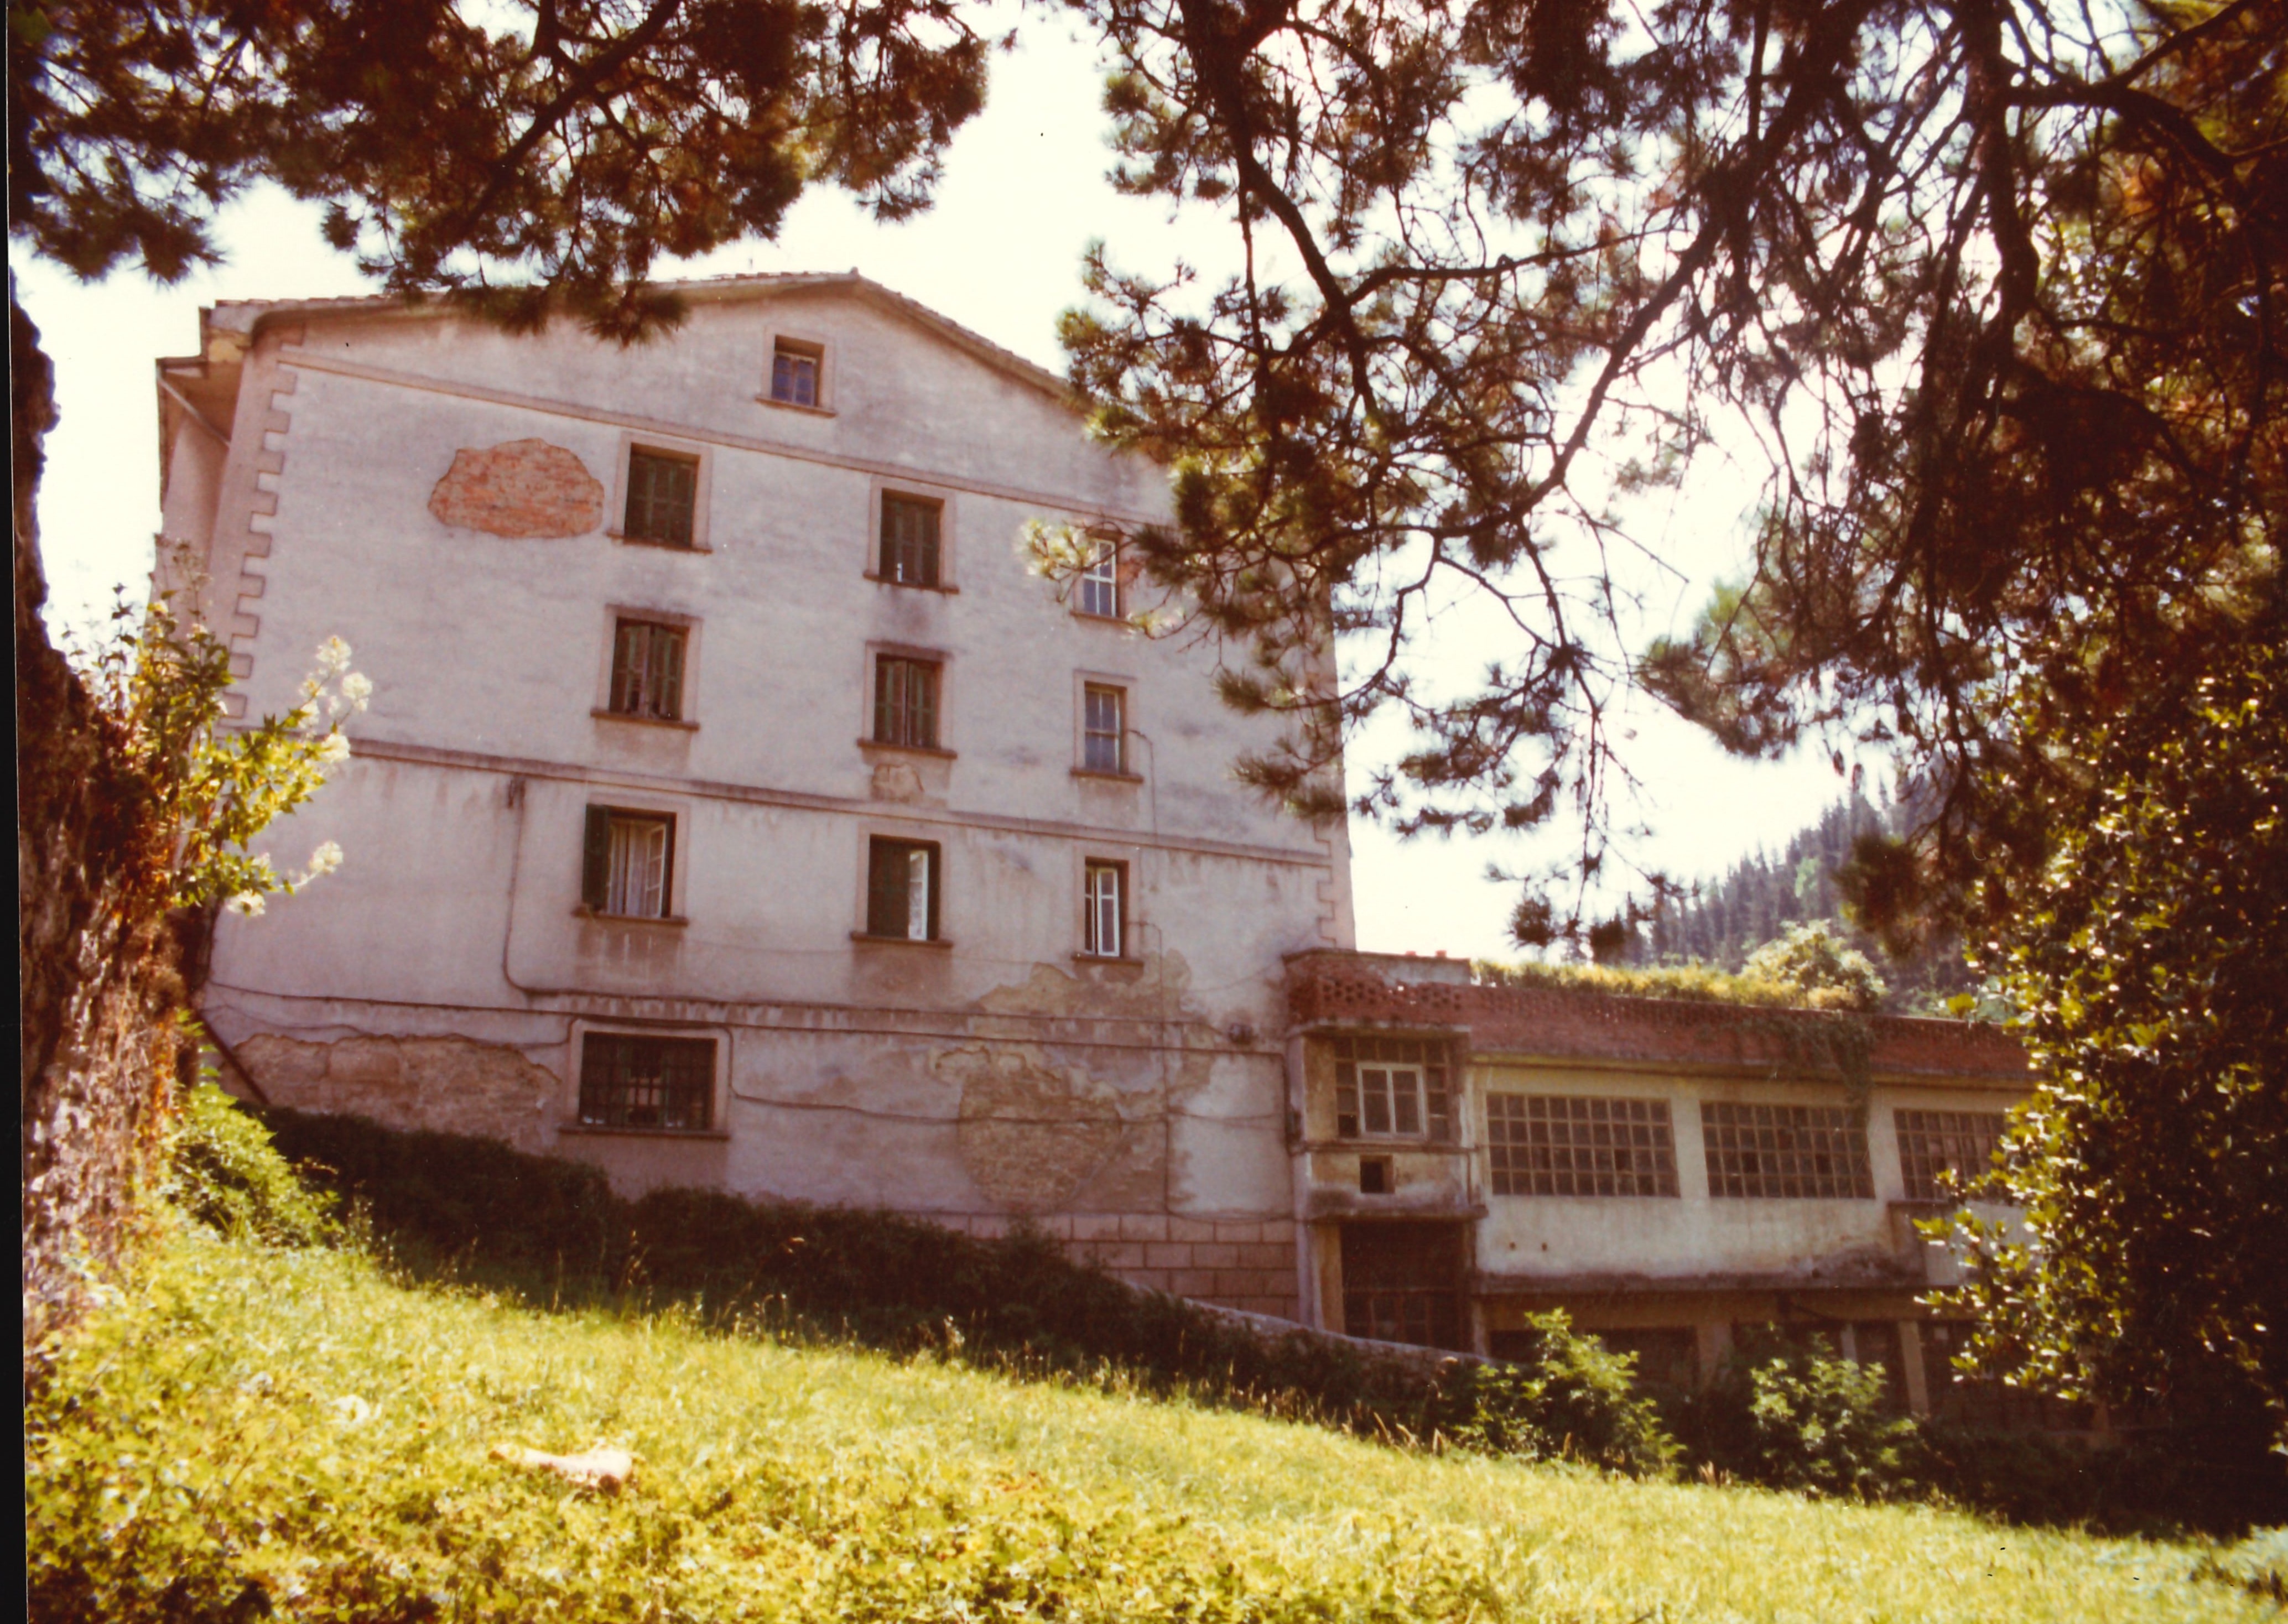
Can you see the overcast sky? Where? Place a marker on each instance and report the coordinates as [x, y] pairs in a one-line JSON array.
[[1023, 195]]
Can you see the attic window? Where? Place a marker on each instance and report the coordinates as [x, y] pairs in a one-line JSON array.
[[795, 367]]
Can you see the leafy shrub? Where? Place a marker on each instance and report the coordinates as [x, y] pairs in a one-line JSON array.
[[1827, 973], [1794, 1418], [1572, 1398], [226, 1172]]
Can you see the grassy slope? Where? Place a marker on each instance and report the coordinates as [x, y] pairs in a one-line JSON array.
[[295, 1420]]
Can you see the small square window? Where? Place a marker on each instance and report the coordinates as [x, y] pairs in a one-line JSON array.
[[1100, 582], [910, 540], [1104, 730], [631, 1081], [1374, 1175], [648, 670], [628, 864], [902, 885], [794, 372], [905, 702], [663, 495], [1104, 895]]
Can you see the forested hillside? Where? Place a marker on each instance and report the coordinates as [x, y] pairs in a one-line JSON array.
[[1721, 922]]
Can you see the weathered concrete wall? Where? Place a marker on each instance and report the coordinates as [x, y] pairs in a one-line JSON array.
[[446, 498]]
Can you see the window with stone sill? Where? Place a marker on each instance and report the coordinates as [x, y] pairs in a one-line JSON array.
[[1392, 1088], [648, 670], [910, 552], [663, 497], [1100, 582], [795, 368], [631, 1081], [902, 890], [627, 867], [1104, 730], [905, 702], [1103, 895]]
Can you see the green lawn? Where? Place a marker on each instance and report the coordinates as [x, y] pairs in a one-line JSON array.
[[290, 1431]]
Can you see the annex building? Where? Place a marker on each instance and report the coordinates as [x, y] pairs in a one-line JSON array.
[[738, 807]]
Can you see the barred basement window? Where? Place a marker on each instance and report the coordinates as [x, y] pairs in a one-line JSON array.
[[910, 533], [905, 702], [648, 670], [628, 1081], [1104, 733], [1100, 582], [627, 865], [902, 885], [1551, 1144], [662, 494], [1816, 1153], [1947, 1154], [1391, 1088], [794, 372]]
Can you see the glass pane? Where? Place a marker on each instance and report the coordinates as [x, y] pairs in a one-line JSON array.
[[1375, 1086], [918, 879]]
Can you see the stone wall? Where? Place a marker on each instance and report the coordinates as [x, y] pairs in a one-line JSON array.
[[1246, 1264]]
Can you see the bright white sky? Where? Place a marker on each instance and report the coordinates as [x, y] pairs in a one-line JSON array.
[[1024, 193]]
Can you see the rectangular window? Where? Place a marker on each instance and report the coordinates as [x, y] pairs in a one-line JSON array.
[[1104, 731], [627, 867], [648, 670], [902, 885], [628, 1081], [1402, 1282], [662, 491], [1811, 1152], [1391, 1088], [1100, 582], [910, 549], [794, 372], [1551, 1144], [1947, 1154], [905, 702], [1103, 890]]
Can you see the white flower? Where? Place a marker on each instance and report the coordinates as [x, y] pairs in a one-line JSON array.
[[247, 902], [357, 688], [333, 656], [332, 750], [325, 860]]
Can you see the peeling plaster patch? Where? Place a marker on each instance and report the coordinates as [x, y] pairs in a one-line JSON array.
[[896, 781], [452, 1085], [524, 489], [1029, 1135]]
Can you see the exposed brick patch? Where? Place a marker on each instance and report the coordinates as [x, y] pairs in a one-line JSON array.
[[1355, 989], [445, 1084], [524, 489]]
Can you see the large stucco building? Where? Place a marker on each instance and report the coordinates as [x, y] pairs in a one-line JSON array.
[[737, 806]]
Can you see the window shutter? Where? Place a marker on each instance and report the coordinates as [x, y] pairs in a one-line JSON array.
[[596, 859], [925, 521], [668, 702], [887, 678], [886, 888], [936, 876], [667, 869], [924, 702]]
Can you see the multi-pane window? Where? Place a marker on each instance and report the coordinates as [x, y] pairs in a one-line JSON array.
[[1391, 1088], [648, 670], [627, 865], [905, 702], [1402, 1282], [630, 1081], [1552, 1144], [1807, 1152], [794, 372], [662, 494], [1102, 888], [1948, 1154], [902, 886], [1100, 582], [910, 540], [1104, 729]]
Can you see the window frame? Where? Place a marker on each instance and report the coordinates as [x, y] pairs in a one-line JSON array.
[[885, 496], [1435, 1087], [1738, 1181], [1925, 1136], [681, 629], [596, 861], [817, 352], [633, 444], [1091, 869], [1102, 570], [888, 847], [1090, 733], [1590, 1137], [575, 1077], [879, 656]]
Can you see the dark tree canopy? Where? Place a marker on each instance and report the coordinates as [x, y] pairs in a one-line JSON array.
[[513, 153], [1995, 287]]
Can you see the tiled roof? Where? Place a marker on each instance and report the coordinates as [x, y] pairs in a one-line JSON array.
[[1330, 988]]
